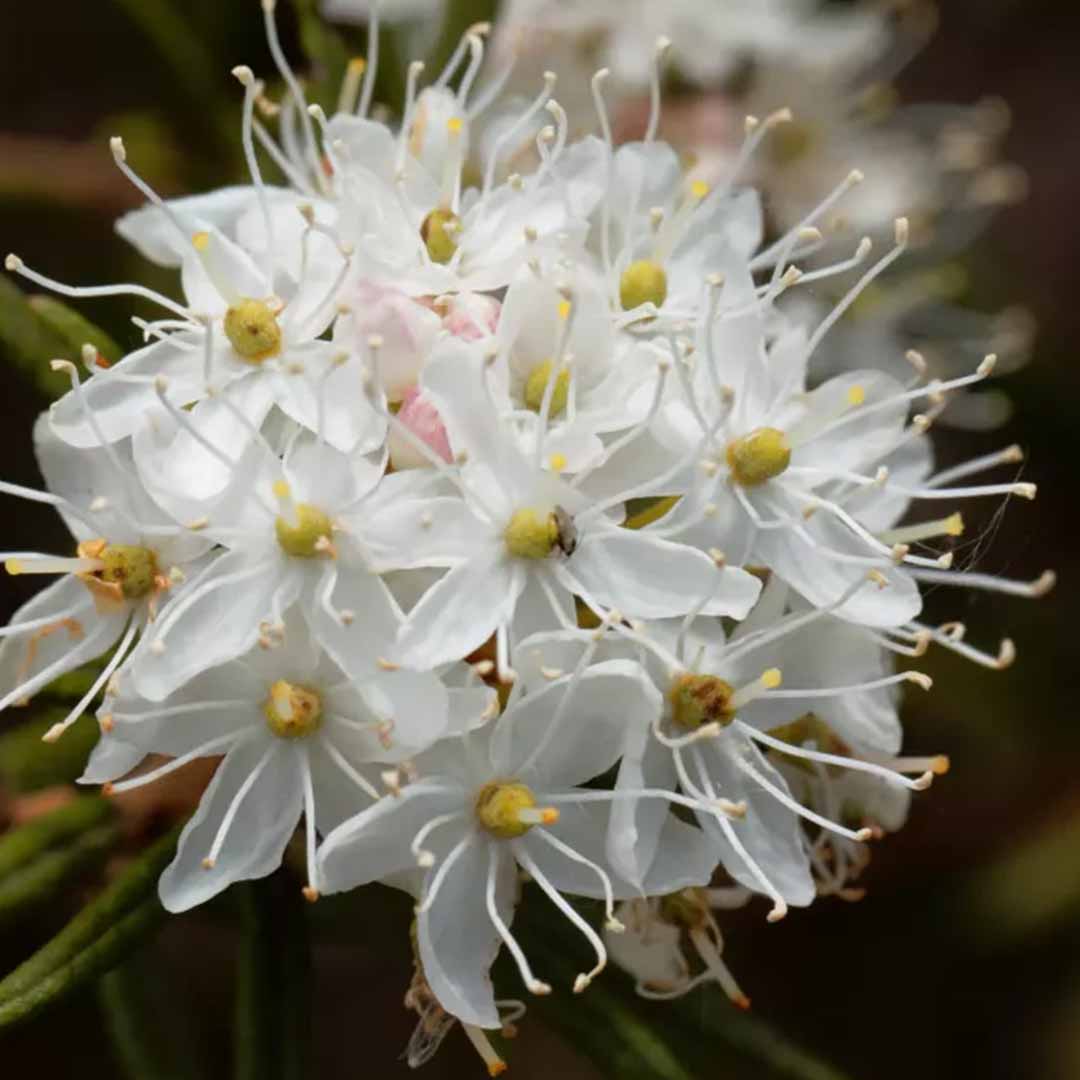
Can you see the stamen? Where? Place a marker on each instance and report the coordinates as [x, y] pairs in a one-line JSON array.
[[515, 130], [85, 292], [853, 294], [372, 66], [234, 806], [662, 46], [532, 983], [583, 980], [427, 858], [1031, 590], [311, 890], [918, 677], [252, 89], [116, 145], [432, 889], [482, 1044], [209, 748]]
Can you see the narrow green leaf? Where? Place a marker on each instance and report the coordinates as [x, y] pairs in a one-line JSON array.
[[27, 343], [75, 329], [696, 1035], [44, 878], [143, 1027], [272, 998], [601, 1026], [98, 938], [24, 844], [28, 765]]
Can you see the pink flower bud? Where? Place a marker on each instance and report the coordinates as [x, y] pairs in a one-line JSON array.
[[471, 316], [407, 327], [423, 420]]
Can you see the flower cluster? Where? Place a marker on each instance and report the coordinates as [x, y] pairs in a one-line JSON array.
[[496, 532]]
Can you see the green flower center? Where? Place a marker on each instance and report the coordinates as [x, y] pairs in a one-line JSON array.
[[439, 231], [758, 456], [508, 809], [308, 536], [642, 282], [133, 568], [253, 330], [536, 386], [292, 711], [700, 699], [531, 535]]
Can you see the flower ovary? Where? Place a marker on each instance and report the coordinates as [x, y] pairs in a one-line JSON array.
[[308, 536], [499, 805], [642, 282], [701, 699], [531, 535], [439, 232], [292, 711], [537, 383], [253, 330], [758, 456]]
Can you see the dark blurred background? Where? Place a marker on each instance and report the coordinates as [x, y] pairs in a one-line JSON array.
[[964, 959]]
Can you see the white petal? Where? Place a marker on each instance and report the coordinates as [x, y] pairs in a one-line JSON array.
[[608, 701], [459, 942], [649, 578], [461, 611], [375, 843], [255, 842]]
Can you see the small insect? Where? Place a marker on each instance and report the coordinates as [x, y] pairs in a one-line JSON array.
[[434, 1023], [566, 531]]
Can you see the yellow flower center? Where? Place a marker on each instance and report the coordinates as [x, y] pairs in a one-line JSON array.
[[132, 569], [253, 330], [760, 455], [308, 536], [642, 282], [536, 386], [292, 711], [508, 809], [439, 231], [531, 535], [700, 699]]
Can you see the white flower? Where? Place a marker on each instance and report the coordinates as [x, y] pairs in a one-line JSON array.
[[296, 532], [530, 541], [505, 796], [130, 558], [296, 732], [667, 936]]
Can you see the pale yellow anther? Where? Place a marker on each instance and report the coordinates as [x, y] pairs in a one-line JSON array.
[[308, 535], [642, 282], [454, 125], [531, 534], [699, 189], [953, 525], [200, 241], [536, 386], [771, 678], [564, 309], [758, 456], [856, 395], [253, 331], [292, 711], [281, 489], [557, 462]]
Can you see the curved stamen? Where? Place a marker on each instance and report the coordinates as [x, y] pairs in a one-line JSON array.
[[532, 983], [234, 807], [584, 978], [211, 747]]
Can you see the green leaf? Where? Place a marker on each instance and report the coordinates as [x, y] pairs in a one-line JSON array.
[[143, 1026], [272, 998], [52, 872], [26, 764], [28, 842], [75, 329], [28, 343], [698, 1035], [96, 940]]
